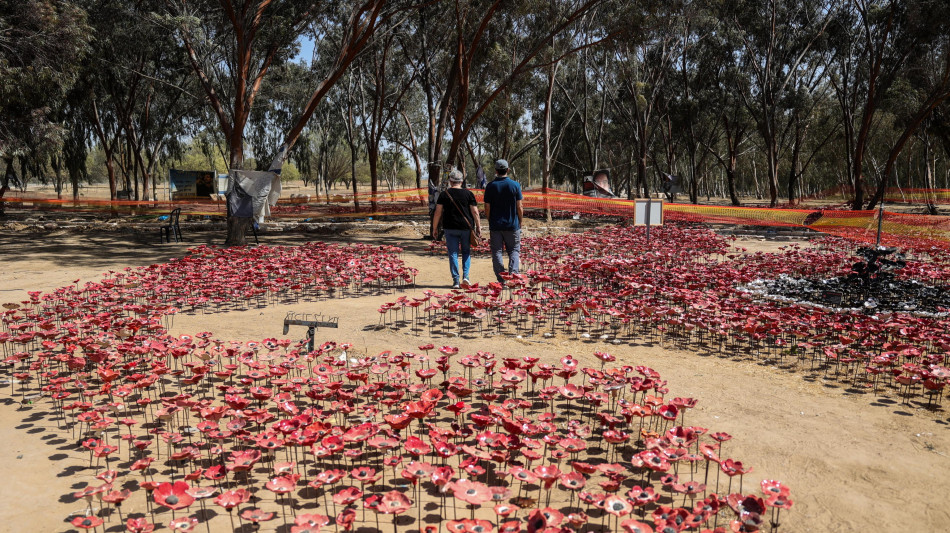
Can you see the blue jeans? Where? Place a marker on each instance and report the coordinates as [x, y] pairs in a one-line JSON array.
[[455, 238], [511, 240]]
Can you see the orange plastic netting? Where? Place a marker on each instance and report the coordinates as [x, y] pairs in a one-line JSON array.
[[898, 229], [892, 195]]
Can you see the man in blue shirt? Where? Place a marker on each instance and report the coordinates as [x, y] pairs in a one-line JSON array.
[[504, 213]]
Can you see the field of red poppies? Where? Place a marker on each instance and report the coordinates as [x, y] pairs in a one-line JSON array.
[[689, 288], [195, 432]]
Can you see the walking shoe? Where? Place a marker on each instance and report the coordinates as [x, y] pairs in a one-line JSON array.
[[456, 286], [466, 283]]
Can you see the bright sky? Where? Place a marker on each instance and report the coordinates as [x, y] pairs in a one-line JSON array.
[[306, 49]]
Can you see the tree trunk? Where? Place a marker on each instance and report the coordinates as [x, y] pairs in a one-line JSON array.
[[731, 183], [372, 155], [8, 176], [58, 168], [356, 202], [771, 155], [237, 226], [732, 164], [693, 178], [74, 180], [641, 169], [415, 156], [937, 96], [547, 159], [110, 168]]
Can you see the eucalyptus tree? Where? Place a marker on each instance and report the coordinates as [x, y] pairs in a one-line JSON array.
[[927, 82], [580, 106], [232, 46], [689, 86], [780, 39], [485, 63], [720, 68], [75, 151], [644, 64], [275, 109], [590, 29], [412, 118], [384, 77], [41, 42], [875, 40], [132, 91]]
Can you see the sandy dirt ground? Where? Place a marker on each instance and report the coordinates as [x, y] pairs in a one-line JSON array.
[[855, 462]]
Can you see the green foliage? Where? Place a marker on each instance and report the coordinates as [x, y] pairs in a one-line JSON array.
[[41, 43], [289, 172], [709, 90], [194, 158]]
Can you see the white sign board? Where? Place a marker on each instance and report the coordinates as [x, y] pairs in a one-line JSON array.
[[655, 209]]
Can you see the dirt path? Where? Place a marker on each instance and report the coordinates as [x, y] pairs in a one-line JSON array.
[[854, 462]]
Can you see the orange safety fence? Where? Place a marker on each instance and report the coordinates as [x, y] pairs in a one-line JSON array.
[[895, 195], [892, 195], [897, 229]]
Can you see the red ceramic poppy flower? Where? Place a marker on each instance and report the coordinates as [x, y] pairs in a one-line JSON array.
[[329, 477], [552, 517], [86, 522], [346, 518], [778, 501], [416, 446], [642, 495], [746, 504], [733, 468], [572, 480], [394, 502], [230, 499], [471, 492], [571, 391], [505, 509], [347, 496], [200, 493], [173, 495], [511, 526], [184, 524], [139, 525], [583, 468], [365, 474], [257, 515], [548, 474], [572, 445], [617, 506], [772, 487], [116, 497], [634, 526], [478, 526], [721, 436], [456, 526], [243, 460], [312, 520], [523, 475], [442, 477], [282, 484], [415, 471]]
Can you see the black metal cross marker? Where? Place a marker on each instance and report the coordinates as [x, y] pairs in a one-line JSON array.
[[312, 321]]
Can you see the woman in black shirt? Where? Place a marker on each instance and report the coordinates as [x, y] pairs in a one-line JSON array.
[[458, 211]]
